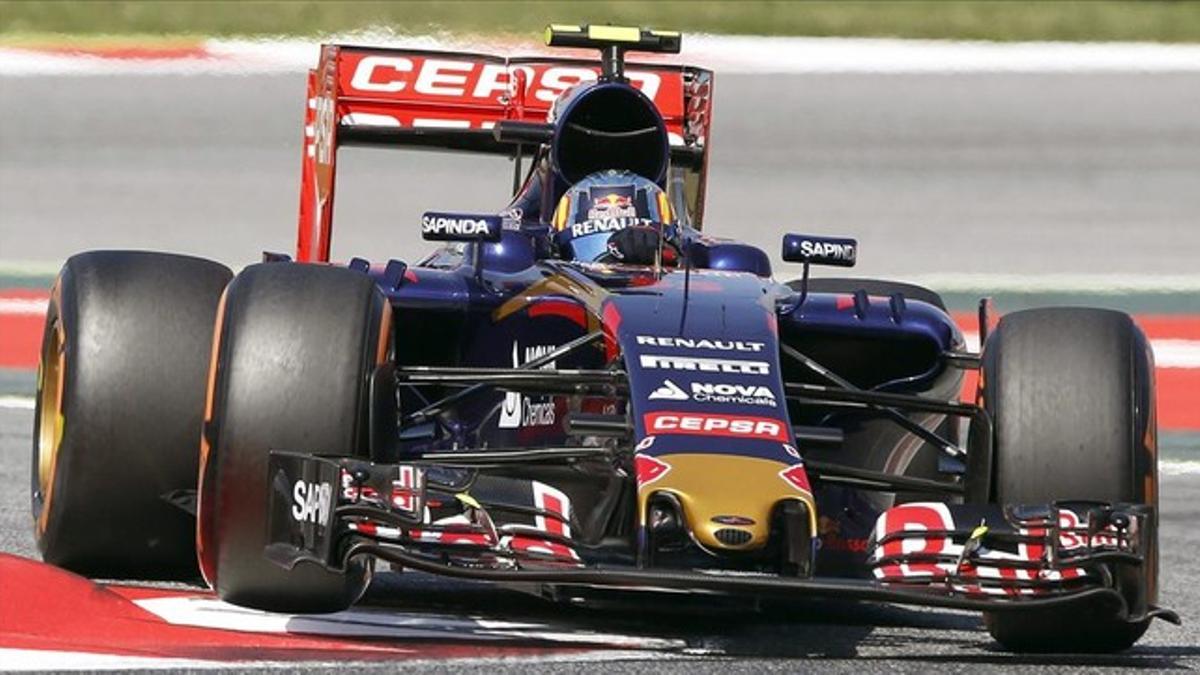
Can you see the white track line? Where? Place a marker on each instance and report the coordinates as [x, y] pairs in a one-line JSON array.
[[724, 53], [23, 306], [1107, 284], [29, 268], [26, 660], [17, 402], [364, 623], [39, 660], [1176, 353], [1168, 352], [867, 55], [1173, 467], [27, 63]]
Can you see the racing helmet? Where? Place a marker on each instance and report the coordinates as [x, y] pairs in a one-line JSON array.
[[602, 203]]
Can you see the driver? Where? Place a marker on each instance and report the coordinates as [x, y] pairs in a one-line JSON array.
[[615, 216]]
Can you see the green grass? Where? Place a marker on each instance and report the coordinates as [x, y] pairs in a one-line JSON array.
[[1165, 21]]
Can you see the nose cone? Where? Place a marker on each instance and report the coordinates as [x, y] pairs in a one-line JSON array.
[[727, 500]]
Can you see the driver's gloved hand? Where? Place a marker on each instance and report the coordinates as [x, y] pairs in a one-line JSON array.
[[638, 244]]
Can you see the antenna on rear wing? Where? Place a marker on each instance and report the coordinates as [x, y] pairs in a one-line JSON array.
[[613, 42]]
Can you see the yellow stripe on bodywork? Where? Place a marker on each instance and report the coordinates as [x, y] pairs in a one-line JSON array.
[[560, 213], [556, 285], [665, 213]]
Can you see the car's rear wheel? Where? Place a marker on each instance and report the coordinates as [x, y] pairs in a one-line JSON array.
[[1071, 395], [295, 348], [120, 399]]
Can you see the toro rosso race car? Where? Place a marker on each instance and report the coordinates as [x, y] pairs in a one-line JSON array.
[[582, 393]]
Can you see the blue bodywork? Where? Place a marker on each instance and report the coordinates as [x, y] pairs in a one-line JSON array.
[[701, 344], [518, 306]]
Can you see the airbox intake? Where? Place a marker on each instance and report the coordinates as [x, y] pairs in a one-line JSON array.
[[610, 125]]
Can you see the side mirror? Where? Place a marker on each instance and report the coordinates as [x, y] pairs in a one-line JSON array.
[[437, 226], [805, 248]]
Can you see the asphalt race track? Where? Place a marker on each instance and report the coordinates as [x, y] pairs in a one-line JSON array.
[[995, 173]]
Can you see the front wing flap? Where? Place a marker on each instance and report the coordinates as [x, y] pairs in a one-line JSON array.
[[1011, 550], [977, 557]]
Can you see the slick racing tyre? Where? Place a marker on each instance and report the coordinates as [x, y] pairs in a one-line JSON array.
[[1071, 395], [294, 351], [120, 400], [872, 287]]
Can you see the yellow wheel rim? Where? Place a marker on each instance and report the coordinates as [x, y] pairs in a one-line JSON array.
[[50, 420]]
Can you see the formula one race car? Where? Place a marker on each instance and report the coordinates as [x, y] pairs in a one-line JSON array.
[[583, 393]]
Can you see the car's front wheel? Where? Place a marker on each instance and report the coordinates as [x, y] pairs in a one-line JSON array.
[[294, 351], [1071, 395]]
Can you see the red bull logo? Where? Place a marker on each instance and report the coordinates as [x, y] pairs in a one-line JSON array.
[[612, 205]]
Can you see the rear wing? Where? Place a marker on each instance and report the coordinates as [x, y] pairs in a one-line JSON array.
[[453, 101]]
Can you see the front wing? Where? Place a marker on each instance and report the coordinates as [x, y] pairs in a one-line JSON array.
[[421, 516]]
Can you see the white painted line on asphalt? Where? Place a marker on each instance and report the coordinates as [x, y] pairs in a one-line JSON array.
[[211, 613], [1168, 352], [40, 660], [724, 53], [28, 268], [23, 306], [972, 340], [27, 63], [17, 402], [1108, 284], [27, 660], [747, 54], [1171, 467]]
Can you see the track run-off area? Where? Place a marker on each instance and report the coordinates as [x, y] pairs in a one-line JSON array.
[[1038, 174]]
